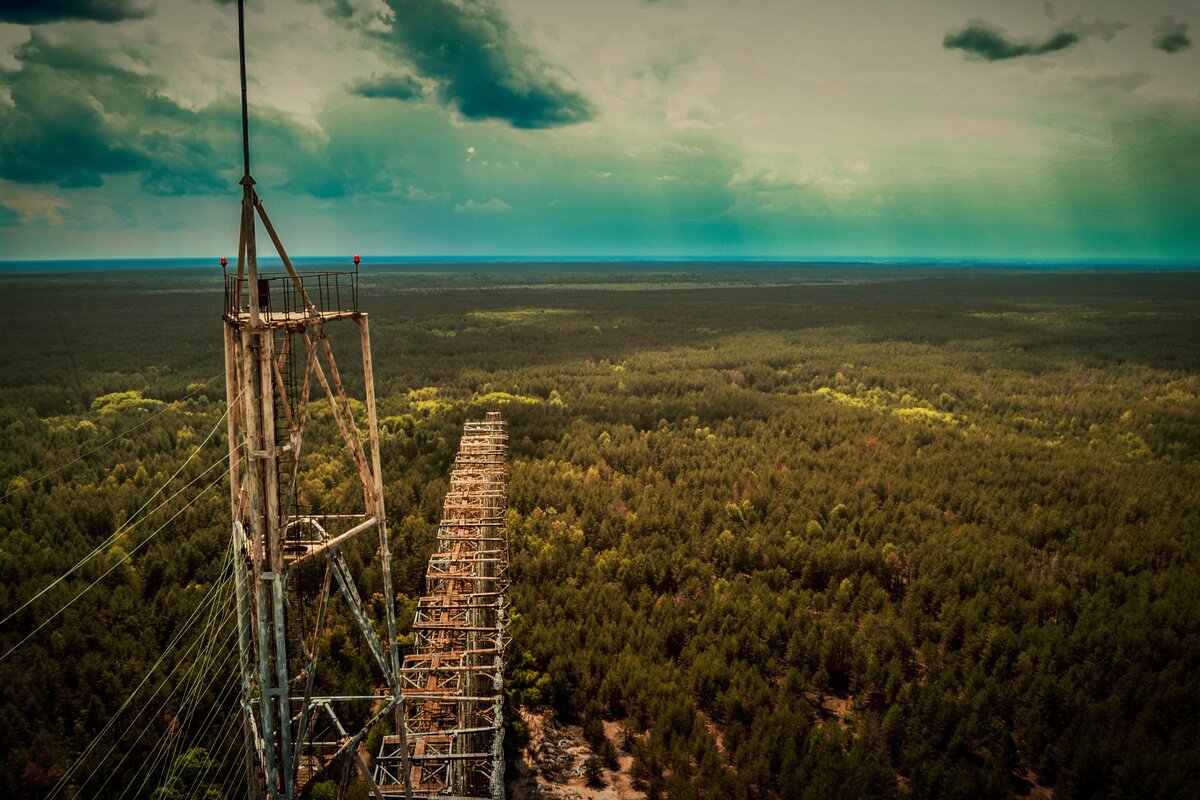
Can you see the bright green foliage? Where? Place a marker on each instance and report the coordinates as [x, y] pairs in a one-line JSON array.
[[323, 790], [191, 776]]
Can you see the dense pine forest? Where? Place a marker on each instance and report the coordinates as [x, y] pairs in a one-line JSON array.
[[800, 531]]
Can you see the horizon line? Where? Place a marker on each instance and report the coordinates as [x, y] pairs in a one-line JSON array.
[[793, 260]]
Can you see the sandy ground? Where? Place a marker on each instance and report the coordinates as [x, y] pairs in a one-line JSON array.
[[550, 767]]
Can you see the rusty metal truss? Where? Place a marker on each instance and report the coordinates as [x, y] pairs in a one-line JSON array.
[[451, 745], [299, 718], [291, 576]]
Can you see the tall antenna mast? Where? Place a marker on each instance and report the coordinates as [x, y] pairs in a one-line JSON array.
[[288, 542], [242, 63]]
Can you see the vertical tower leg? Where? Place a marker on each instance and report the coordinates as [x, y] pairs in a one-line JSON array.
[[385, 555], [267, 692], [241, 568]]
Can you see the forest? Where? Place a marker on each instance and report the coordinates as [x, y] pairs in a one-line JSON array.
[[800, 531]]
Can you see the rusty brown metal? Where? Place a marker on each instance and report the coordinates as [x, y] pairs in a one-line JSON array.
[[277, 354], [451, 685]]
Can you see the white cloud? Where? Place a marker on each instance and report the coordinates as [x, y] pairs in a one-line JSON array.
[[765, 175], [692, 106], [493, 205], [416, 194]]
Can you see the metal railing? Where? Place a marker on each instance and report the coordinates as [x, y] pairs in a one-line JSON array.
[[277, 294]]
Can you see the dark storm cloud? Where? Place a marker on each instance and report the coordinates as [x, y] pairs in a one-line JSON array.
[[985, 41], [1171, 36], [395, 87], [78, 116], [480, 65], [60, 127], [992, 44], [37, 12]]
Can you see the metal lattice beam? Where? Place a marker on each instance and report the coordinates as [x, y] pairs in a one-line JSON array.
[[452, 684]]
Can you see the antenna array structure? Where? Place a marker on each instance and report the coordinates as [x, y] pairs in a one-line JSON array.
[[451, 743], [297, 719]]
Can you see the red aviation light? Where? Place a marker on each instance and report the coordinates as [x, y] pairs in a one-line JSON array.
[[356, 259]]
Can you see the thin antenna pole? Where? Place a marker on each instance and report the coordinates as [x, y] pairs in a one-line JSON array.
[[248, 196], [245, 115]]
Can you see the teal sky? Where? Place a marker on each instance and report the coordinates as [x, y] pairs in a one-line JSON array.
[[754, 128]]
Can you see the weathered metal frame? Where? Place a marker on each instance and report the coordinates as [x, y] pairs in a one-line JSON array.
[[280, 741], [452, 685], [272, 541]]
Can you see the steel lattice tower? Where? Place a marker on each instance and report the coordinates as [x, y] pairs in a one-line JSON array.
[[296, 722]]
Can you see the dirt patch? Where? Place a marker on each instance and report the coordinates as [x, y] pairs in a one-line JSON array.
[[832, 707], [713, 730], [552, 765], [1031, 789]]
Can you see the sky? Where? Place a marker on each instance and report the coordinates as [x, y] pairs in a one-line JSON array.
[[1005, 129]]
